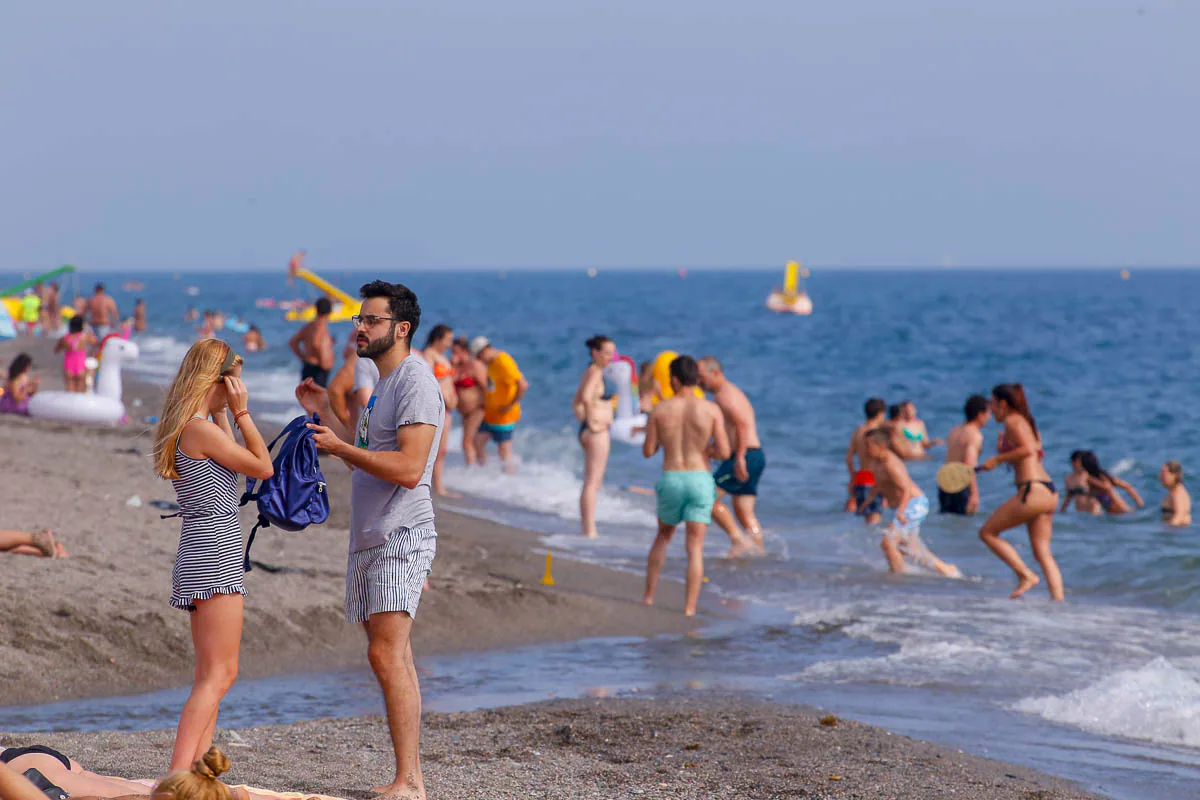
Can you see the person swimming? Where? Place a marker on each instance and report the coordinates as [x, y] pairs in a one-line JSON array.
[[1177, 505], [1103, 486], [1077, 487]]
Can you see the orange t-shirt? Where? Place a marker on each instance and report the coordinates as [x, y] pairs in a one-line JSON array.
[[504, 378]]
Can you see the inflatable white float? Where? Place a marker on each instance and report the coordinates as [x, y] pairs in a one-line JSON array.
[[104, 406], [620, 374]]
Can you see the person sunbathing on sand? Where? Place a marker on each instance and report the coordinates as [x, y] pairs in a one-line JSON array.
[[41, 543], [54, 769]]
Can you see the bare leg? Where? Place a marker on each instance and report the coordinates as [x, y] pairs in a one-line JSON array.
[[471, 435], [76, 784], [658, 557], [217, 638], [35, 544], [439, 463], [390, 653], [595, 460], [695, 565], [481, 442], [1011, 514], [891, 551], [505, 449], [739, 545], [1040, 530], [743, 506]]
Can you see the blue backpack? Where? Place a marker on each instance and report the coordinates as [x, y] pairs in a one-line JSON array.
[[294, 497]]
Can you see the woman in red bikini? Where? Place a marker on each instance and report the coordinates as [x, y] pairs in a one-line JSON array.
[[470, 378], [1036, 499], [436, 345]]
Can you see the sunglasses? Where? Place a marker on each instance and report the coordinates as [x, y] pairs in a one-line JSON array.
[[228, 364]]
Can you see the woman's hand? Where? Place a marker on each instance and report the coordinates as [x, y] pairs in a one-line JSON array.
[[235, 393]]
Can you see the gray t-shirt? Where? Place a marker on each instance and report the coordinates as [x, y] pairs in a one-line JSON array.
[[409, 396], [366, 374]]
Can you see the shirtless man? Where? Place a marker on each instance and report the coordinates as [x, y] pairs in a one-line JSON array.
[[690, 431], [862, 478], [738, 475], [313, 345], [50, 308], [139, 316], [902, 538], [102, 312], [911, 438], [963, 445]]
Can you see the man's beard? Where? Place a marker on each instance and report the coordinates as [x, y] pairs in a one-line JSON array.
[[378, 346]]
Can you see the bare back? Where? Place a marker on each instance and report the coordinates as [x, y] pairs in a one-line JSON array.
[[964, 443], [736, 407], [858, 444], [684, 426], [316, 344], [100, 309], [893, 480]]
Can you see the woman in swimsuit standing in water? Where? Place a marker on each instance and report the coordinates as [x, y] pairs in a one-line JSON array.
[[1036, 498], [470, 376], [436, 345], [594, 410]]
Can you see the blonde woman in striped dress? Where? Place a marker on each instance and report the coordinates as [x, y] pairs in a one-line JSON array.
[[196, 449]]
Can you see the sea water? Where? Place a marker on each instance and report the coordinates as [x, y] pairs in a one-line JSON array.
[[1103, 688]]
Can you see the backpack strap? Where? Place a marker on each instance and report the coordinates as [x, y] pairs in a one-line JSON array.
[[263, 522]]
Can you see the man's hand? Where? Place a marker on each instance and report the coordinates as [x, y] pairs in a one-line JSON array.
[[973, 504], [739, 468], [900, 518], [989, 465], [326, 440], [312, 398]]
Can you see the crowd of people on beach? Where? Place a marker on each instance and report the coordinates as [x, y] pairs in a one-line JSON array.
[[386, 413]]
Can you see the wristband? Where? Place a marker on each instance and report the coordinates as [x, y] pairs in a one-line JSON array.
[[241, 414]]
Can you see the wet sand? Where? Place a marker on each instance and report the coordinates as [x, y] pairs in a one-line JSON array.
[[98, 623]]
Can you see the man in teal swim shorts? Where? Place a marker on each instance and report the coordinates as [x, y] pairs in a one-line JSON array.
[[690, 431]]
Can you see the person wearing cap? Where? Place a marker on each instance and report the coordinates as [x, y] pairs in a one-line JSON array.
[[502, 401]]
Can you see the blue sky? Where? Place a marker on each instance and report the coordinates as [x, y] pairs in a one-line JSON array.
[[148, 134]]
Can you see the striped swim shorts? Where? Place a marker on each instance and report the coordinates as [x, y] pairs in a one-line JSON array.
[[389, 577]]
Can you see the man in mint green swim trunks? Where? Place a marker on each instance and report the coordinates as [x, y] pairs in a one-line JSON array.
[[691, 431]]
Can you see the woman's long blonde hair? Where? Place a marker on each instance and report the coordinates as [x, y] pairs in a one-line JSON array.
[[200, 783], [200, 370]]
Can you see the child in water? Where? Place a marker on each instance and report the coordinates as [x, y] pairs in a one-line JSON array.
[[1177, 505]]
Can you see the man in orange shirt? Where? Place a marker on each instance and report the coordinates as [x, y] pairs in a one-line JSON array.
[[502, 402]]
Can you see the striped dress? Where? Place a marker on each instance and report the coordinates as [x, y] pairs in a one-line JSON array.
[[209, 561]]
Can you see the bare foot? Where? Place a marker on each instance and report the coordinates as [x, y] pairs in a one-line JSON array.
[[689, 612], [591, 534], [450, 494], [1027, 583], [759, 547], [44, 542], [401, 791], [739, 549], [648, 600], [60, 551]]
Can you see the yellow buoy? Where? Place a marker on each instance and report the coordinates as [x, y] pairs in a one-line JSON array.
[[547, 579]]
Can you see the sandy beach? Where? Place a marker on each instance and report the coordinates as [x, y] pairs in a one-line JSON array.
[[98, 623]]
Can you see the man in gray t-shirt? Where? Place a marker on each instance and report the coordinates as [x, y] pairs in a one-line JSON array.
[[392, 538]]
